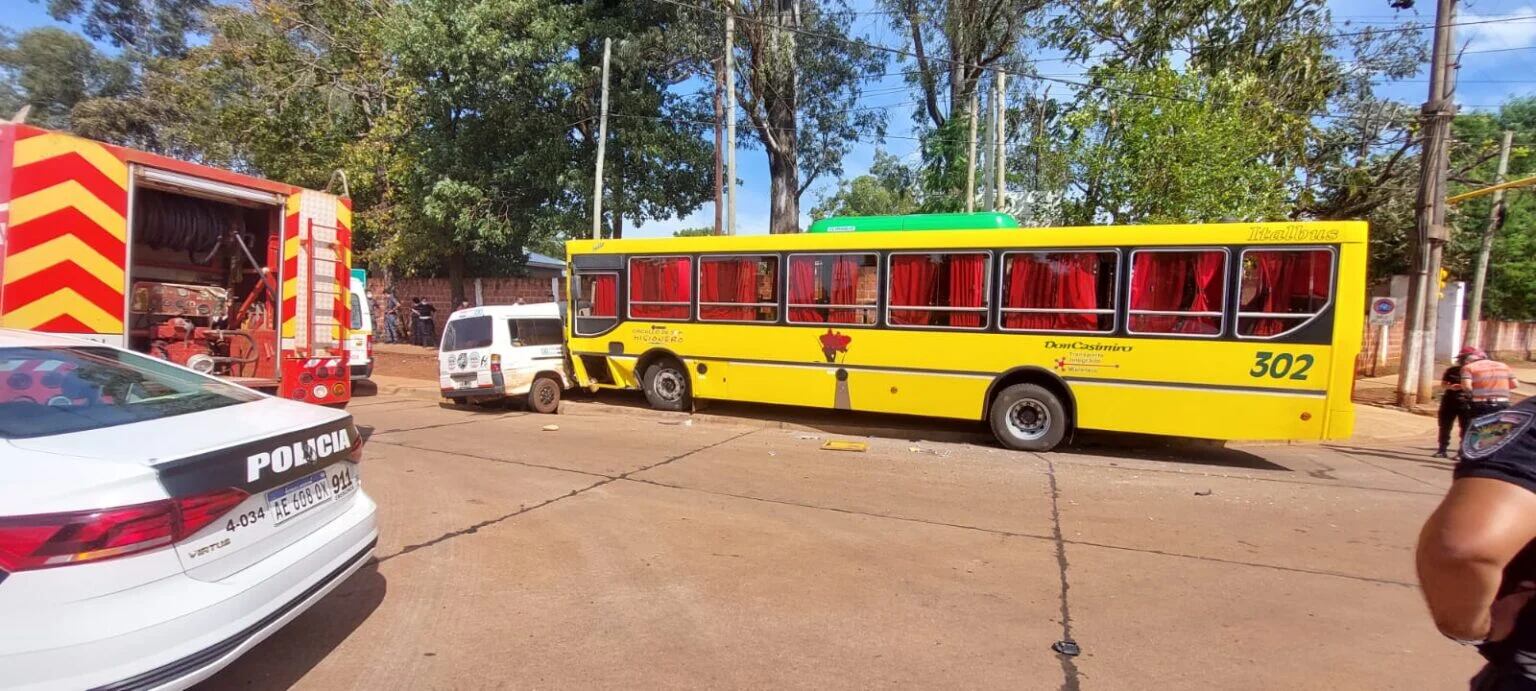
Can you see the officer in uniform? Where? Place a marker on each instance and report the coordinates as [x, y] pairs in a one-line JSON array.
[[1455, 407], [1477, 552]]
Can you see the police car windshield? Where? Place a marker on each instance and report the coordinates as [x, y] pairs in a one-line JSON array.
[[47, 391]]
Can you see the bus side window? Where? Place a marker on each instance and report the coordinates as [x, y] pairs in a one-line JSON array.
[[660, 287], [597, 302], [1059, 291], [1282, 289], [833, 288], [1178, 291], [949, 288]]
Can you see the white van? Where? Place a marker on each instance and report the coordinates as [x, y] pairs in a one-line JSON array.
[[360, 337], [496, 351]]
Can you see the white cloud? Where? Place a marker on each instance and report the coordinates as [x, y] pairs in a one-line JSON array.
[[1511, 29]]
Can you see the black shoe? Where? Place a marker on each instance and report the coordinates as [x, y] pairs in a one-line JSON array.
[[1440, 454]]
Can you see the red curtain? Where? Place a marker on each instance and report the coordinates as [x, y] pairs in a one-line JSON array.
[[802, 289], [845, 290], [1052, 281], [1177, 282], [967, 287], [1288, 282], [659, 280], [727, 280], [914, 283], [605, 296]]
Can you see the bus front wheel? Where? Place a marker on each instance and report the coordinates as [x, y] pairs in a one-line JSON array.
[[1028, 417], [666, 386]]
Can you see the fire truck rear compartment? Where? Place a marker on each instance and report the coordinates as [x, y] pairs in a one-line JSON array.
[[203, 285]]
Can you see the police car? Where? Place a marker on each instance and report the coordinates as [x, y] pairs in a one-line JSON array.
[[156, 523]]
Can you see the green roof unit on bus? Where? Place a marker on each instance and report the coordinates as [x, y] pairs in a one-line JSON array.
[[990, 220]]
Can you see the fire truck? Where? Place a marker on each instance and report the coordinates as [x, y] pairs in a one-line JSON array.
[[227, 274]]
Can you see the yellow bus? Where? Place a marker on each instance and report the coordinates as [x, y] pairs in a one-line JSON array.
[[1235, 331]]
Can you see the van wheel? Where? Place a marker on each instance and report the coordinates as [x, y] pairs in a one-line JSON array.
[[1028, 417], [666, 386], [544, 395]]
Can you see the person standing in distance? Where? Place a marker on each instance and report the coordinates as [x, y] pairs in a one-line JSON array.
[[1477, 552], [1454, 406], [1486, 381], [391, 317], [425, 323]]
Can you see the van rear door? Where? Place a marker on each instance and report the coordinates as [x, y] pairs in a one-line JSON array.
[[464, 358]]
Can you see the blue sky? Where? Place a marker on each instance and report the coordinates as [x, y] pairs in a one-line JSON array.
[[1500, 62]]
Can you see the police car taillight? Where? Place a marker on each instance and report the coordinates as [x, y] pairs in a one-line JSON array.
[[60, 539]]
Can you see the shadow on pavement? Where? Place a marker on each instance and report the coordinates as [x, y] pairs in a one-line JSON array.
[[1148, 447], [364, 388], [292, 651]]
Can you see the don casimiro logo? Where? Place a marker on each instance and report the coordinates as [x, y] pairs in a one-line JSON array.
[[1084, 356]]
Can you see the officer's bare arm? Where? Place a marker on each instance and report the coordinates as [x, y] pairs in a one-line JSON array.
[[1466, 543]]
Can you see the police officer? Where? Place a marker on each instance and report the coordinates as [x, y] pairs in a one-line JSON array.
[[1486, 381], [1477, 552], [1455, 407]]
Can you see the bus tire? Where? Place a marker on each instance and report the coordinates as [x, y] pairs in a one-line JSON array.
[[1028, 417], [666, 386], [544, 395]]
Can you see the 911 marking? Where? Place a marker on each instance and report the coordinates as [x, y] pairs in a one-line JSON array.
[[1281, 365], [247, 519]]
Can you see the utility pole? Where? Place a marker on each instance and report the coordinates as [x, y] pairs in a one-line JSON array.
[[1431, 208], [730, 116], [970, 161], [719, 147], [1000, 156], [1495, 214], [602, 142], [1441, 231], [988, 193]]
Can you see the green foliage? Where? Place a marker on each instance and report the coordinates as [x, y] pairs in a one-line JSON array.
[[148, 27], [1200, 151], [698, 232], [1511, 283], [55, 71], [890, 187]]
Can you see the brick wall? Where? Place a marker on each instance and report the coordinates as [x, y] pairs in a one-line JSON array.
[[1502, 340]]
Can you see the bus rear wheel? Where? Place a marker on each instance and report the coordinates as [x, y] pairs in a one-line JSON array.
[[544, 395], [1028, 417], [666, 386]]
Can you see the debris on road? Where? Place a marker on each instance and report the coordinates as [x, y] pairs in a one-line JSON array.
[[844, 445], [1067, 647], [1206, 493], [551, 428]]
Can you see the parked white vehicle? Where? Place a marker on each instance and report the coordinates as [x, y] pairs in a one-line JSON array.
[[497, 351], [157, 523], [360, 337]]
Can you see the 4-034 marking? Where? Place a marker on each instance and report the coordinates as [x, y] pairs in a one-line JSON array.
[[247, 519], [1281, 365]]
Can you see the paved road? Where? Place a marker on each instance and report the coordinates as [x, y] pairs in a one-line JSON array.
[[628, 550]]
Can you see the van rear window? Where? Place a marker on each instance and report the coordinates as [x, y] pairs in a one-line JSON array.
[[467, 333]]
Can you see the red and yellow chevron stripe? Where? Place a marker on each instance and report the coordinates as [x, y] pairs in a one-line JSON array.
[[66, 248]]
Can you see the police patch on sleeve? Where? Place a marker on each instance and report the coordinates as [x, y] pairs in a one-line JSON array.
[[1492, 432]]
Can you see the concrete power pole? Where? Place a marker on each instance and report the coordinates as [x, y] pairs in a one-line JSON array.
[[970, 161], [1000, 155], [719, 147], [1431, 210], [1475, 315], [730, 117], [602, 144], [988, 194]]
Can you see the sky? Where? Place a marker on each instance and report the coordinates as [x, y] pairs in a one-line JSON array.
[[1499, 63]]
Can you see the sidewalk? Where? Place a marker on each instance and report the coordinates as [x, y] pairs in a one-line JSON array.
[[1382, 391]]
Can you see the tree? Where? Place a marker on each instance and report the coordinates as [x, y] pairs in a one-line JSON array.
[[1157, 145], [1508, 292], [54, 71], [148, 27], [890, 187], [697, 232], [799, 81]]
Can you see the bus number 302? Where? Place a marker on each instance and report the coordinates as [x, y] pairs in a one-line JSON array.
[[1281, 365]]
